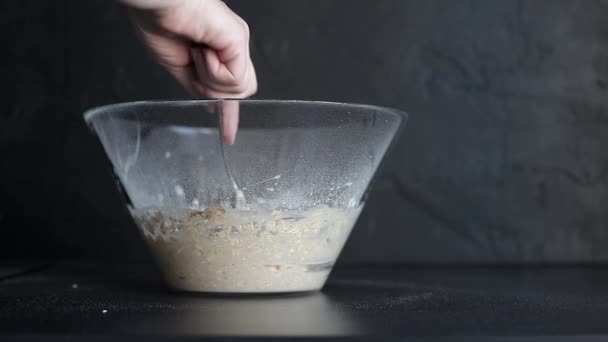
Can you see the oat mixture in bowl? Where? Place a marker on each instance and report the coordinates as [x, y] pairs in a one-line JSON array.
[[231, 250]]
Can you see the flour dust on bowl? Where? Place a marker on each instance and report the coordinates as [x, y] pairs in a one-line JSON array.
[[300, 170]]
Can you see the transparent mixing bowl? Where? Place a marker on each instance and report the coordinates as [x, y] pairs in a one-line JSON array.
[[303, 168]]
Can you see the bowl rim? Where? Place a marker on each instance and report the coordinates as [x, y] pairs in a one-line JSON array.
[[93, 112]]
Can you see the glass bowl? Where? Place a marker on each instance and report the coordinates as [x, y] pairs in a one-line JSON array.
[[301, 168]]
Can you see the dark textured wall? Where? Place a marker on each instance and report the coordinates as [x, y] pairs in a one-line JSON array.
[[505, 158]]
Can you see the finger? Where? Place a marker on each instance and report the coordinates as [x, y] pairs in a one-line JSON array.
[[199, 65], [230, 72], [210, 88], [215, 74], [199, 59], [229, 120]]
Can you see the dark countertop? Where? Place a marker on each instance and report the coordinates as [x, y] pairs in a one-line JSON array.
[[71, 300]]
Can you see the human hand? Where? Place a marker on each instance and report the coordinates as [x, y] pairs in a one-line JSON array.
[[204, 45]]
